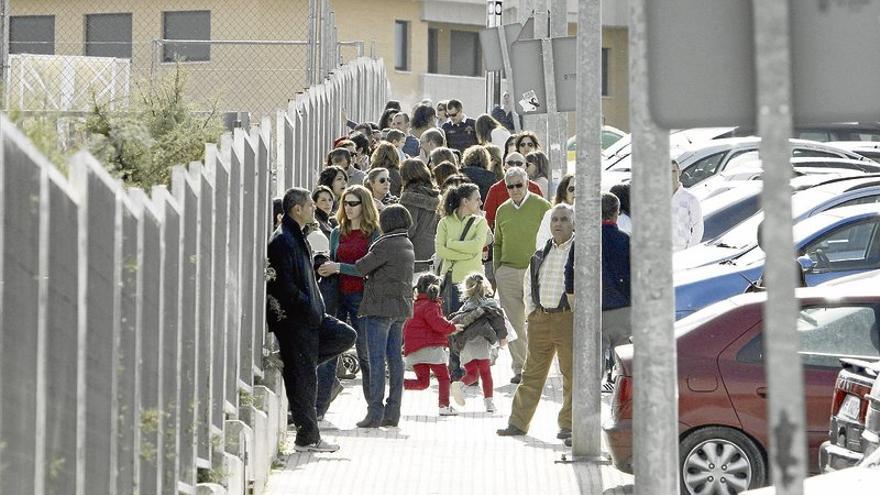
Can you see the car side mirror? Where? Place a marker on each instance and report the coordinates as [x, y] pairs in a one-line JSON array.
[[806, 263]]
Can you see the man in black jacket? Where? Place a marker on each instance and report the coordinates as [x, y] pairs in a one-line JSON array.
[[306, 335]]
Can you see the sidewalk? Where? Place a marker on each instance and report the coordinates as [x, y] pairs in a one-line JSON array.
[[428, 454]]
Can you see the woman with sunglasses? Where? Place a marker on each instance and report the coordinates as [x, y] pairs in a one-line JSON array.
[[538, 168], [564, 194], [527, 142], [349, 242], [379, 185], [386, 156]]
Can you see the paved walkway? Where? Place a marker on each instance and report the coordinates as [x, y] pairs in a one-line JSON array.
[[428, 454]]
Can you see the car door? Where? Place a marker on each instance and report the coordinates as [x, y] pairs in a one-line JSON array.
[[846, 250], [827, 333], [702, 169]]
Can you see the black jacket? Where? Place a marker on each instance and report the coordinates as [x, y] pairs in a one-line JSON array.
[[484, 179], [421, 202], [292, 293]]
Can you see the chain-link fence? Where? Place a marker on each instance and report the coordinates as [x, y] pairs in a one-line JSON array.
[[58, 55]]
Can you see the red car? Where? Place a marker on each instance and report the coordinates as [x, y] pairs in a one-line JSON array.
[[722, 390]]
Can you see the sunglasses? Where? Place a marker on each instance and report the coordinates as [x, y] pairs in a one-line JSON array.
[[527, 143], [515, 163], [570, 188], [515, 186], [451, 115], [352, 204], [382, 180]]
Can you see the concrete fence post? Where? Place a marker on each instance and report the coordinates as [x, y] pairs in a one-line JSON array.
[[248, 217], [99, 267], [230, 154], [186, 194]]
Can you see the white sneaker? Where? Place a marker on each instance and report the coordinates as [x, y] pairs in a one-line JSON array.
[[448, 411], [490, 405], [319, 446], [457, 391]]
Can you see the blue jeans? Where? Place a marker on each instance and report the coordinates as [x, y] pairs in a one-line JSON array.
[[384, 339], [349, 304]]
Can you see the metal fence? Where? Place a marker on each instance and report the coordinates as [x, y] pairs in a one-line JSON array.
[[60, 55]]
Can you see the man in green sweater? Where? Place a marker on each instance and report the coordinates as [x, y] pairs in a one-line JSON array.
[[516, 226]]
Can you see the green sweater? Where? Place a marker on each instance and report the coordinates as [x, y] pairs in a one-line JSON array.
[[515, 231]]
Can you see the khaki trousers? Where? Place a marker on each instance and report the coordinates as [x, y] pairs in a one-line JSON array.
[[510, 290], [550, 334]]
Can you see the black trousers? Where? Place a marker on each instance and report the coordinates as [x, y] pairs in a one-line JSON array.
[[302, 350]]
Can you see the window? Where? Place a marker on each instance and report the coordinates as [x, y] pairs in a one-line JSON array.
[[108, 35], [605, 75], [864, 200], [849, 245], [811, 153], [32, 34], [701, 170], [433, 45], [467, 55], [401, 45], [187, 25], [828, 333]]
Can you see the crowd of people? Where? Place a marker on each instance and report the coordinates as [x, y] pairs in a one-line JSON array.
[[432, 242]]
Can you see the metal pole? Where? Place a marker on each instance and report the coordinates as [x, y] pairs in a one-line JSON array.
[[4, 53], [586, 400], [557, 123], [655, 407], [785, 408], [313, 39], [493, 78]]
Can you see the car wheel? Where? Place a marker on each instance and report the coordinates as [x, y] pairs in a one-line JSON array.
[[720, 460]]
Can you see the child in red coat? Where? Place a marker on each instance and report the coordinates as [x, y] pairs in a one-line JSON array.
[[425, 343]]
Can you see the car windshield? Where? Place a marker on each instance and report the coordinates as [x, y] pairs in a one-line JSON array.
[[743, 235]]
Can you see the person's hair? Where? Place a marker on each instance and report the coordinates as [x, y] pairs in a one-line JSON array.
[[564, 206], [442, 171], [495, 161], [541, 162], [423, 116], [476, 156], [455, 180], [528, 134], [328, 175], [385, 156], [429, 285], [434, 136], [442, 154], [415, 173], [343, 142], [445, 104], [369, 213], [293, 197], [622, 193], [511, 139], [517, 172], [277, 209], [453, 104], [387, 115], [405, 115], [476, 286], [339, 153], [363, 127], [361, 143], [322, 189], [392, 104], [484, 126], [395, 135], [610, 206], [454, 195], [394, 217], [562, 189], [372, 175]]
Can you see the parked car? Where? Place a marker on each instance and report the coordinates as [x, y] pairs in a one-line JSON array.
[[868, 149], [824, 133], [678, 140], [812, 195], [838, 242], [846, 445], [610, 135], [701, 161], [722, 389]]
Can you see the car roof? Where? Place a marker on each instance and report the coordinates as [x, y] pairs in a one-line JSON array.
[[828, 219], [724, 144]]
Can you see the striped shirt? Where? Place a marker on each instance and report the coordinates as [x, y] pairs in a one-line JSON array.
[[551, 277]]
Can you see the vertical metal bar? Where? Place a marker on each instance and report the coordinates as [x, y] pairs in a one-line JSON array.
[[586, 400], [557, 128], [786, 427], [313, 37], [655, 408], [4, 53]]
